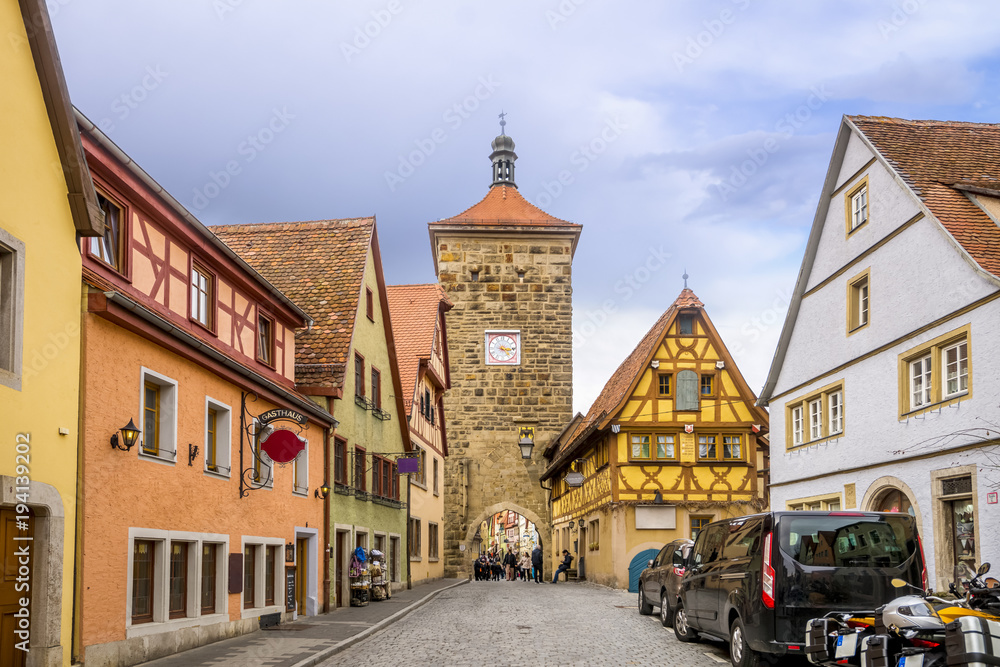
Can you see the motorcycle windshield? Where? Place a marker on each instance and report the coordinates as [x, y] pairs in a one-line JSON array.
[[841, 562]]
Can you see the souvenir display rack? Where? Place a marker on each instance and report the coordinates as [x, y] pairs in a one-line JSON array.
[[380, 588], [359, 578]]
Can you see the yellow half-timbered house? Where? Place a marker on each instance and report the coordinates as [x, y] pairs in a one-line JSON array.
[[675, 440]]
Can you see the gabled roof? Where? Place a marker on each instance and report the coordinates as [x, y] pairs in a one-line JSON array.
[[938, 161], [623, 381], [415, 312], [319, 265]]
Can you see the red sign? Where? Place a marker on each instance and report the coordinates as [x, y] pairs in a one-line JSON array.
[[991, 498], [282, 445]]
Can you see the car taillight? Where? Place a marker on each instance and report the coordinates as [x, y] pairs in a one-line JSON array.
[[679, 571], [767, 576], [923, 563]]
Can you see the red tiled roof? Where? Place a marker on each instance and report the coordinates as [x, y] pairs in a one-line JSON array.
[[413, 311], [504, 205], [320, 266], [938, 159], [617, 388]]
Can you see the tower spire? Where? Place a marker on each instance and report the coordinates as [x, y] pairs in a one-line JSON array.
[[503, 156]]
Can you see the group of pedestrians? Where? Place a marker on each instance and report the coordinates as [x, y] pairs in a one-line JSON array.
[[510, 567]]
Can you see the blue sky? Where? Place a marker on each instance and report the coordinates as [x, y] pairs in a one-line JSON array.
[[256, 111]]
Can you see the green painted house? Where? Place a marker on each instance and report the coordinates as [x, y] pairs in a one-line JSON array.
[[346, 362]]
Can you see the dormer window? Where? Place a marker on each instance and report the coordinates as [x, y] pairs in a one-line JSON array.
[[685, 325]]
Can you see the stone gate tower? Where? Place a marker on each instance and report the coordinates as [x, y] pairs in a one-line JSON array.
[[507, 267]]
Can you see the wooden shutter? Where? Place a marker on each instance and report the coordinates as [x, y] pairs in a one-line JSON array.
[[687, 390]]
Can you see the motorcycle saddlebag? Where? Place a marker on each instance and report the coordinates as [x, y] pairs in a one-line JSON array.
[[973, 641], [818, 639], [875, 651]]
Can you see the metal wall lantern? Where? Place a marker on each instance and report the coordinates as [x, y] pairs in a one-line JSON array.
[[130, 435], [571, 524], [323, 491], [526, 441]]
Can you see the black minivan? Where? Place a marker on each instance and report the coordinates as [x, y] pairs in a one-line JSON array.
[[758, 579]]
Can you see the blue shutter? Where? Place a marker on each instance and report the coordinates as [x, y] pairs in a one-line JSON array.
[[687, 390]]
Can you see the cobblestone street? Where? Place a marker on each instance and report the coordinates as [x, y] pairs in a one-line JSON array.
[[502, 623]]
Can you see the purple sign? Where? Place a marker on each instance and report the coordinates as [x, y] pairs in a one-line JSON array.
[[408, 465]]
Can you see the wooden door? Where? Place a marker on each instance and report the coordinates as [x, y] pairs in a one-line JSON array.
[[10, 655], [339, 566], [301, 574]]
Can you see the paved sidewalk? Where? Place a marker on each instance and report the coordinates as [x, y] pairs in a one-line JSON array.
[[310, 639]]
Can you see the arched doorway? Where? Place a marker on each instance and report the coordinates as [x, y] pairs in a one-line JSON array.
[[893, 500], [635, 568], [505, 531]]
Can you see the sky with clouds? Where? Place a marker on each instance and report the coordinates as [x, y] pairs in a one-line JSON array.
[[681, 135]]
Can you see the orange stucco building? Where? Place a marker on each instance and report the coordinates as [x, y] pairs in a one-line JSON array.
[[192, 534]]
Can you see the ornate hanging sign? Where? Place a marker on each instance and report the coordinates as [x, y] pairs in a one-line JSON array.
[[282, 445], [279, 414]]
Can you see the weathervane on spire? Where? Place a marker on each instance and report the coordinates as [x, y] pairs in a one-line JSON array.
[[685, 277], [502, 121]]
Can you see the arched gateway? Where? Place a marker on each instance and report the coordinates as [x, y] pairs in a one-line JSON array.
[[506, 265]]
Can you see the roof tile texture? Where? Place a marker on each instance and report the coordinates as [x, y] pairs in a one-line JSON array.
[[504, 205], [932, 156], [413, 311], [618, 384], [320, 266]]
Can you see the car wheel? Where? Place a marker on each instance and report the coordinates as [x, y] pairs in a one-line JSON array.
[[682, 630], [644, 607], [740, 653], [666, 613]]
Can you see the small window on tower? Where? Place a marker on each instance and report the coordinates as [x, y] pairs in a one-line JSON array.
[[685, 324], [475, 276]]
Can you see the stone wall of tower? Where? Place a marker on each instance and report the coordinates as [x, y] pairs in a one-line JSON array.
[[486, 405]]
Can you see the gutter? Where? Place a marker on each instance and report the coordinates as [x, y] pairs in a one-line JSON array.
[[104, 142], [183, 336]]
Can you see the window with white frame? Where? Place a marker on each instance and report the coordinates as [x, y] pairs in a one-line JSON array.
[[816, 416], [920, 381], [815, 419], [202, 296], [175, 579], [955, 359], [859, 207], [263, 471], [159, 417], [218, 429], [11, 309], [936, 372], [835, 401], [858, 314], [300, 472], [796, 421]]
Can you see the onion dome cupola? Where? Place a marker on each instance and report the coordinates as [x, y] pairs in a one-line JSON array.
[[503, 157]]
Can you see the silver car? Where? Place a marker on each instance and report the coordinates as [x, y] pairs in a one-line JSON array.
[[660, 582]]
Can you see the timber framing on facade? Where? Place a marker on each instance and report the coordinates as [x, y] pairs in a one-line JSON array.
[[674, 437]]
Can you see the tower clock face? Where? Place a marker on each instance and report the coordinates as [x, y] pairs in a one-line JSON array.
[[503, 348]]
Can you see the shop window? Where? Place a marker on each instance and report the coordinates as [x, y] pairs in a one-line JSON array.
[[893, 500], [270, 557], [143, 563], [178, 579], [249, 575], [209, 565]]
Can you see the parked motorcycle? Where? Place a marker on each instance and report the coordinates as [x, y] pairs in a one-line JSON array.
[[913, 630]]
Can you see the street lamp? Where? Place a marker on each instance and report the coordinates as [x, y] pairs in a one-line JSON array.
[[323, 491], [526, 441], [129, 435]]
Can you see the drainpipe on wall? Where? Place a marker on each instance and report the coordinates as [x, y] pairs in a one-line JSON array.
[[327, 436], [409, 582]]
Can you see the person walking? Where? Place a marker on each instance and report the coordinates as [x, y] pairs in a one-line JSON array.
[[510, 562], [536, 563], [567, 559], [525, 565]]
